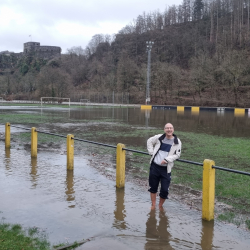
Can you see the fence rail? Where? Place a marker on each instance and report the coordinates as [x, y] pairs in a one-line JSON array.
[[135, 151], [231, 170], [97, 143], [209, 167]]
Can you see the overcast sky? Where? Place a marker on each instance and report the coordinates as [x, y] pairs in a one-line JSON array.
[[67, 23]]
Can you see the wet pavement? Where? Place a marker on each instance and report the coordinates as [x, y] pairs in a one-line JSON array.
[[84, 204]]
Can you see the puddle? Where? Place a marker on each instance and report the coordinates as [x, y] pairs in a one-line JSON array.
[[74, 205]]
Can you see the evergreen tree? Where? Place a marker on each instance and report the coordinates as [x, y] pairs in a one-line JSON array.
[[198, 9]]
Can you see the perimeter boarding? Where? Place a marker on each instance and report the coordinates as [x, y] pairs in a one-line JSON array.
[[208, 186], [196, 110]]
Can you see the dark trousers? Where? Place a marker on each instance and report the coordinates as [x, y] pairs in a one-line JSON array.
[[159, 174]]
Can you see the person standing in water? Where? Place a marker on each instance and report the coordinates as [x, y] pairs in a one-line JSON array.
[[165, 149]]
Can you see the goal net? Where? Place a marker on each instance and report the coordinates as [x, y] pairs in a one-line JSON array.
[[84, 101], [55, 101]]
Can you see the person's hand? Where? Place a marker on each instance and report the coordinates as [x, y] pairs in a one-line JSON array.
[[164, 162]]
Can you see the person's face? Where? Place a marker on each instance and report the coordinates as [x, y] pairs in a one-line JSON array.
[[169, 130]]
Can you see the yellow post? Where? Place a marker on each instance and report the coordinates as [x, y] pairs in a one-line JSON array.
[[180, 108], [70, 152], [239, 112], [33, 142], [208, 190], [146, 107], [195, 109], [120, 166], [7, 135]]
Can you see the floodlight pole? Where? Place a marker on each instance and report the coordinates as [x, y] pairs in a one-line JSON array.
[[149, 47]]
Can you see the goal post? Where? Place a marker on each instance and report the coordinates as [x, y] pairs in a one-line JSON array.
[[83, 101], [55, 100]]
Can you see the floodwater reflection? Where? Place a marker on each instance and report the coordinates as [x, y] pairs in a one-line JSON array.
[[239, 114], [204, 121], [120, 212], [207, 235], [70, 188], [180, 112], [157, 231], [98, 208], [220, 122], [7, 159], [147, 116], [33, 172], [92, 197], [195, 112], [7, 153]]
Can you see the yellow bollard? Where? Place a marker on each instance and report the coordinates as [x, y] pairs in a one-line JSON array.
[[195, 110], [7, 135], [70, 152], [180, 109], [208, 190], [146, 107], [33, 142], [120, 166], [239, 112]]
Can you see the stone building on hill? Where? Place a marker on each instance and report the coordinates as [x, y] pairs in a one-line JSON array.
[[45, 52], [36, 50], [6, 52]]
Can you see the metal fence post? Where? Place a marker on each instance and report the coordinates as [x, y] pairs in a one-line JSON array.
[[208, 190], [33, 142], [70, 152], [7, 135], [120, 166]]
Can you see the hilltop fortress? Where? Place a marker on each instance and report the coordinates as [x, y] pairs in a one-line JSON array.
[[45, 52], [36, 50]]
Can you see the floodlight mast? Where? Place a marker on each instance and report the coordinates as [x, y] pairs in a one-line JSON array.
[[149, 47]]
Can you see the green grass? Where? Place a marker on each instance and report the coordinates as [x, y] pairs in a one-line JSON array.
[[232, 153], [234, 218], [15, 238], [29, 118], [228, 216], [25, 138], [248, 224]]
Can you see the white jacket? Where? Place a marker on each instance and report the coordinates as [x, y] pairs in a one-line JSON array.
[[153, 146]]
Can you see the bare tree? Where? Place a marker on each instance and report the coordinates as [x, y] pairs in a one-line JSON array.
[[236, 71]]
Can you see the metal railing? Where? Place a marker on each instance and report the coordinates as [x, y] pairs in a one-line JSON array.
[[194, 163], [136, 151], [208, 187]]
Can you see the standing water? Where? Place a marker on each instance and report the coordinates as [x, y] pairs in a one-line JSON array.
[[84, 204]]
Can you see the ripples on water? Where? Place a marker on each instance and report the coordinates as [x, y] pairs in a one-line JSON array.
[[72, 205], [210, 122]]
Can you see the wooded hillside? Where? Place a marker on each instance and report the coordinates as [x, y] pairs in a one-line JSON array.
[[200, 56]]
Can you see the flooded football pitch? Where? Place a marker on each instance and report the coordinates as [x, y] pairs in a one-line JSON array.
[[85, 204]]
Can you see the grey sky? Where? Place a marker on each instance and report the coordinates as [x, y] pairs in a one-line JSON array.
[[67, 23]]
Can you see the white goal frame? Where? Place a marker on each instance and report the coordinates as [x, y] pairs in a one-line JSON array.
[[54, 100], [84, 101]]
